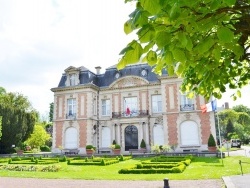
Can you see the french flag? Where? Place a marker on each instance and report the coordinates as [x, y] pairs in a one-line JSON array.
[[209, 107], [128, 111]]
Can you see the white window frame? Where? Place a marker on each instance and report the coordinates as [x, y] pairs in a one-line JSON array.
[[72, 79], [185, 100], [156, 103], [71, 106], [132, 104], [105, 107]]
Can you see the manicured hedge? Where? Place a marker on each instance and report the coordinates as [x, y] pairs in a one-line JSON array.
[[178, 169], [159, 164], [33, 160]]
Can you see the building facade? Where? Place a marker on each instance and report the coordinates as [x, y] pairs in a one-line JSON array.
[[127, 106]]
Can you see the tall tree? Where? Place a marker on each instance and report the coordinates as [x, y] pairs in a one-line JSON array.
[[241, 108], [18, 120], [38, 137], [229, 129], [206, 42]]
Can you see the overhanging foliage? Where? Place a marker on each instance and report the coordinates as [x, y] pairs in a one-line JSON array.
[[204, 42]]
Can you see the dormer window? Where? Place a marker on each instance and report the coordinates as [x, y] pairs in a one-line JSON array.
[[72, 79]]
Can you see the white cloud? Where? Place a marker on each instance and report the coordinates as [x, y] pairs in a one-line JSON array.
[[39, 39]]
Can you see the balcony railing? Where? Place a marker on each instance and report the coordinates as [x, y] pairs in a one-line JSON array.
[[187, 107], [133, 113], [71, 116]]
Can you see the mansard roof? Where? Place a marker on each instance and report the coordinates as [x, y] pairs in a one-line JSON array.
[[111, 75]]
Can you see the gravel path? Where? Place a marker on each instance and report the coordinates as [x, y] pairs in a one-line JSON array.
[[8, 182]]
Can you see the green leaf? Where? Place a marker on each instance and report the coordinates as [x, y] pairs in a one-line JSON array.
[[125, 50], [170, 70], [238, 93], [182, 38], [121, 64], [133, 53], [159, 66], [229, 2], [189, 45], [225, 35], [128, 27], [179, 55], [216, 53], [169, 58], [151, 58], [162, 38], [146, 34], [152, 7], [205, 45], [238, 51], [174, 12], [148, 47], [179, 68], [215, 4], [139, 19]]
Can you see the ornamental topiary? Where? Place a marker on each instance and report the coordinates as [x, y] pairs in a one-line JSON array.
[[143, 144], [211, 141]]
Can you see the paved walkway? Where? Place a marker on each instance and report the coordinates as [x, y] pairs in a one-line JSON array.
[[7, 182]]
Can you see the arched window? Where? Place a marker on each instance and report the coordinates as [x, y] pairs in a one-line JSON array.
[[71, 138], [158, 133], [106, 138], [189, 133]]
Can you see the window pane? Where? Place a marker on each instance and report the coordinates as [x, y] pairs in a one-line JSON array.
[[71, 106], [105, 107], [156, 103]]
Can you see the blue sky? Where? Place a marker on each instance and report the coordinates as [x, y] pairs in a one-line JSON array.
[[39, 39]]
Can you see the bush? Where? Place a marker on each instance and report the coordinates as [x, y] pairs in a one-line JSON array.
[[143, 144], [117, 146], [211, 141], [45, 148]]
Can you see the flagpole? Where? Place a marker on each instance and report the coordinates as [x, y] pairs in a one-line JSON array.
[[219, 136]]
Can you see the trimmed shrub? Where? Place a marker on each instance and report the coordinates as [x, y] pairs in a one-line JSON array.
[[45, 148]]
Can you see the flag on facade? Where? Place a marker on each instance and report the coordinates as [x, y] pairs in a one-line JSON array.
[[128, 111], [209, 107]]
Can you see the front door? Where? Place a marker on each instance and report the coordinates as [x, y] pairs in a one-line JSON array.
[[131, 137]]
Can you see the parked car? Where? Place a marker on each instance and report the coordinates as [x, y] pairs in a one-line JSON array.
[[235, 143]]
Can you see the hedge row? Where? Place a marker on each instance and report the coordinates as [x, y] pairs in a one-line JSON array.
[[33, 160], [159, 165], [178, 169], [102, 162]]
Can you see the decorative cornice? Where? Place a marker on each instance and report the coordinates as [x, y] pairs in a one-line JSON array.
[[69, 88]]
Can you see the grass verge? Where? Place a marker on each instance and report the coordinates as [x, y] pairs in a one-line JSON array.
[[200, 168]]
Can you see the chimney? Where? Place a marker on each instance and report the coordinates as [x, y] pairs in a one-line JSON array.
[[226, 105], [98, 70]]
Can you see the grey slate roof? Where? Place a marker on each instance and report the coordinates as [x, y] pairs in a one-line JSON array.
[[104, 80]]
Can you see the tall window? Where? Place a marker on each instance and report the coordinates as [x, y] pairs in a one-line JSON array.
[[130, 106], [72, 79], [71, 107], [186, 103], [105, 107], [156, 103]]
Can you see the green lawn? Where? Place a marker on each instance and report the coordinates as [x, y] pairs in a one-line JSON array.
[[200, 168]]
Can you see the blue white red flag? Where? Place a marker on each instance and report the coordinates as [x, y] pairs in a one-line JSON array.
[[209, 107]]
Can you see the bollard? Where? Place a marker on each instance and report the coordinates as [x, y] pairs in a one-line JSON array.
[[166, 185]]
